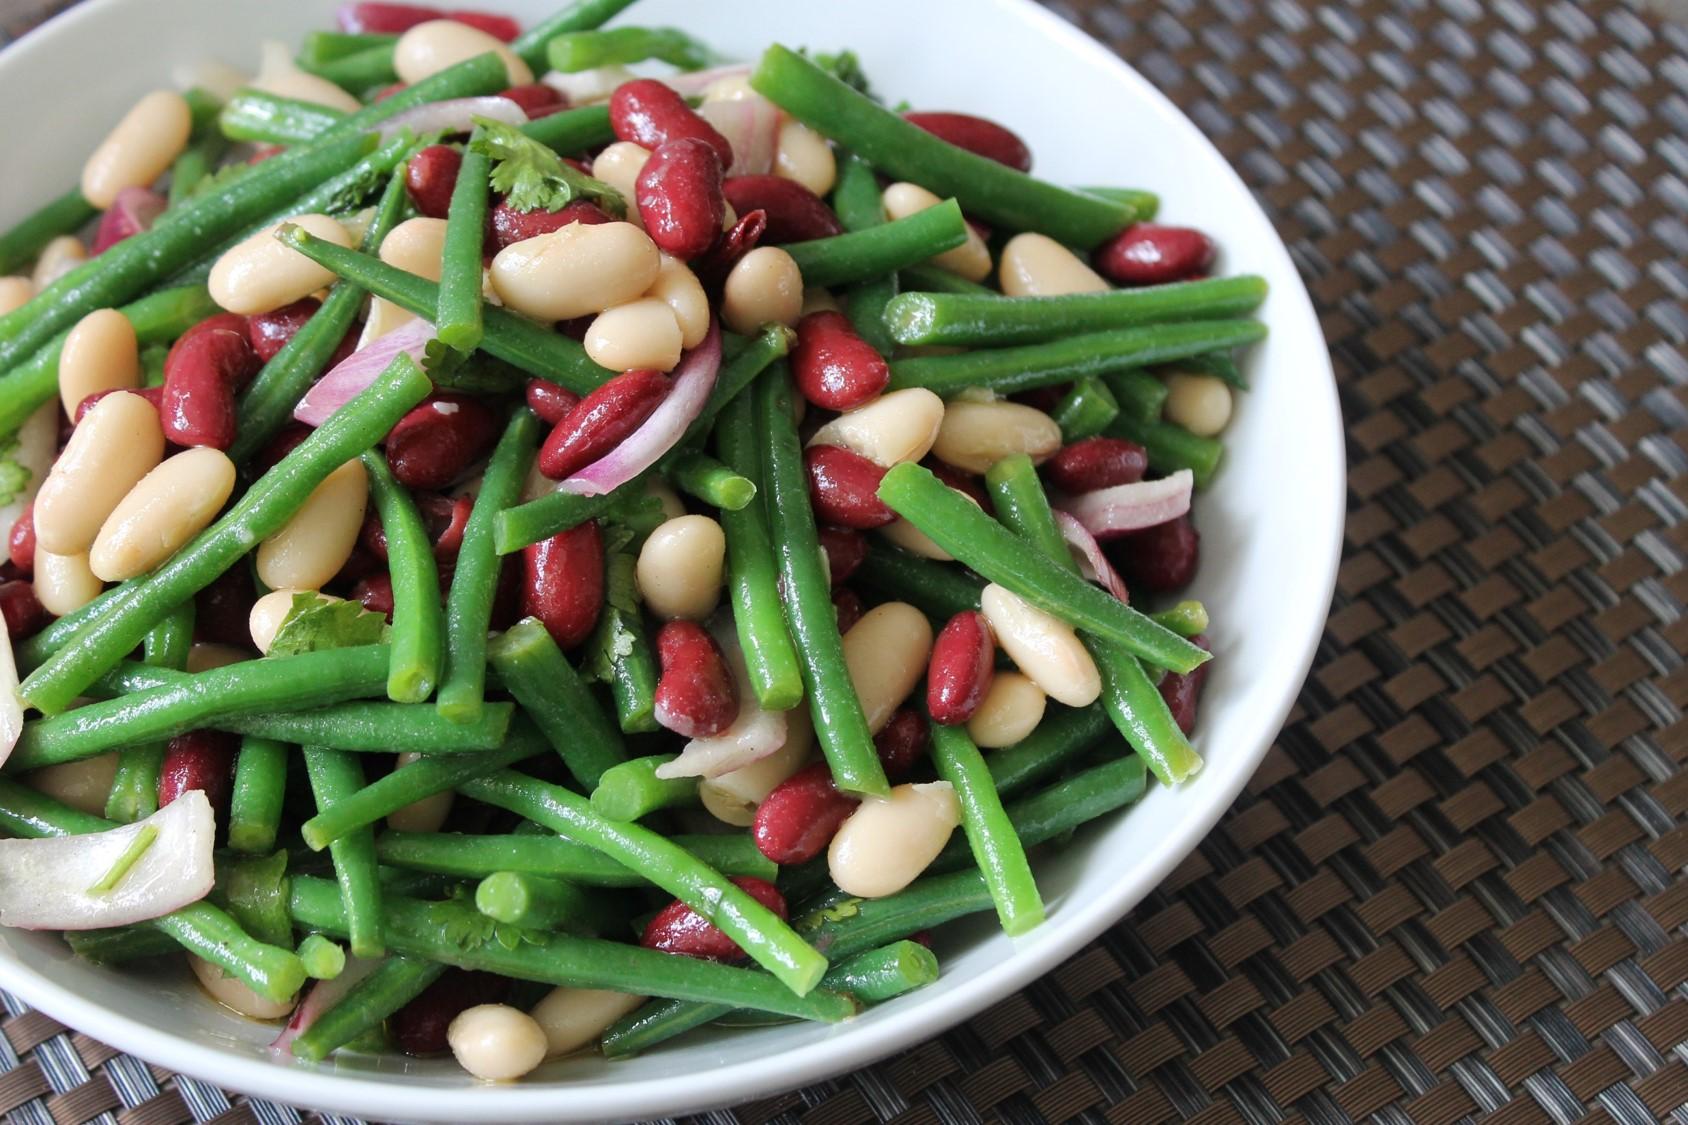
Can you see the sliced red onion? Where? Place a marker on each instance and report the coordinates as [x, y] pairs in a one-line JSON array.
[[354, 373], [1114, 511], [583, 87], [134, 210], [752, 127], [11, 707], [48, 884], [753, 735], [454, 116], [1092, 563], [322, 996], [694, 378], [694, 82]]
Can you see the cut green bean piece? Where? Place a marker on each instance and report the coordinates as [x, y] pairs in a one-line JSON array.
[[632, 790], [475, 857], [318, 47], [1187, 618], [482, 74], [1145, 203], [857, 201], [1140, 395], [459, 314], [573, 131], [582, 15], [1141, 714], [699, 475], [1171, 447], [194, 166], [1221, 365], [874, 252], [337, 776], [394, 983], [364, 70], [618, 651], [260, 786], [931, 279], [1019, 503], [538, 903], [270, 119], [575, 51], [937, 590], [116, 946], [1061, 737], [322, 957], [64, 215], [417, 640], [134, 789], [558, 701], [872, 977], [1085, 410], [996, 849], [1052, 812]]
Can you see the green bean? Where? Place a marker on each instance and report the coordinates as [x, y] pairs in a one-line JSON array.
[[1140, 395], [994, 192], [1058, 739], [632, 790], [619, 650], [260, 785], [322, 957], [1172, 447], [377, 727], [458, 935], [157, 319], [976, 321], [1141, 714], [318, 47], [345, 814], [1221, 365], [1017, 498], [756, 929], [535, 902], [874, 252], [198, 161], [458, 318], [268, 401], [394, 983], [752, 579], [270, 119], [931, 279], [363, 70], [137, 263], [958, 526], [255, 891], [1024, 368], [531, 346], [418, 622], [473, 77], [310, 679], [582, 15], [1187, 618], [123, 943], [475, 857], [856, 199], [700, 475], [64, 215], [336, 776], [573, 131], [937, 590], [1144, 204], [872, 977], [840, 725], [556, 699], [1054, 811], [200, 928], [996, 849], [262, 511], [134, 788], [152, 365], [1085, 410], [575, 51]]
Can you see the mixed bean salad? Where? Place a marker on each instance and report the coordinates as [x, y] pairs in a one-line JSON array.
[[511, 566]]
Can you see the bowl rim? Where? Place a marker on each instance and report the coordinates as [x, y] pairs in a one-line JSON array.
[[383, 1097]]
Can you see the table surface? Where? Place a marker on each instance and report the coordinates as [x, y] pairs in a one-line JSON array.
[[1455, 889]]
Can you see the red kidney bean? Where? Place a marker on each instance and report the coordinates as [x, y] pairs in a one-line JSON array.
[[506, 596], [846, 550], [537, 99], [679, 196], [510, 226], [695, 695], [678, 928], [386, 92], [430, 178], [136, 209], [961, 669], [269, 332], [375, 593], [1045, 399], [651, 113], [712, 268], [563, 582], [264, 152], [419, 1027], [796, 821], [795, 214], [833, 366], [20, 544], [551, 402], [1097, 462], [286, 440], [1150, 254], [977, 135], [601, 421], [395, 19], [439, 439], [154, 395], [360, 564], [1160, 559], [223, 610], [203, 373], [902, 742], [199, 759], [847, 604], [25, 615], [1183, 691], [959, 479], [844, 488], [444, 517]]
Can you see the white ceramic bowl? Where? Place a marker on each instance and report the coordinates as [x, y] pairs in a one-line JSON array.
[[1271, 528]]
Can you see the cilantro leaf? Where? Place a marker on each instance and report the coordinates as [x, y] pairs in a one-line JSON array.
[[313, 624], [441, 361], [845, 67], [533, 177]]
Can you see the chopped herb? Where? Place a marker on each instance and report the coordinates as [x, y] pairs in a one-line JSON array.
[[532, 177], [313, 624]]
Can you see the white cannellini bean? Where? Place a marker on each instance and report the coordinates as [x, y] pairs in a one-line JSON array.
[[206, 655], [431, 47], [639, 334], [269, 611], [886, 654], [496, 1042], [888, 841], [583, 87], [804, 155], [1012, 708], [1042, 646], [678, 287], [576, 271], [315, 543], [765, 287], [84, 785], [169, 506], [680, 568], [667, 499], [139, 149], [117, 443], [893, 428], [214, 76], [57, 258], [416, 246], [904, 534], [100, 354], [1035, 265], [15, 293], [619, 165], [278, 74], [259, 274], [816, 299], [729, 88], [971, 260], [1200, 403], [572, 1018], [425, 815], [976, 435], [231, 993], [732, 797], [64, 583]]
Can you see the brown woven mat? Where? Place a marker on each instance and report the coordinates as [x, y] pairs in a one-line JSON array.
[[1454, 891]]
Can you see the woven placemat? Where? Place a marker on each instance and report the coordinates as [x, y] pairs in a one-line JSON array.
[[1455, 890]]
